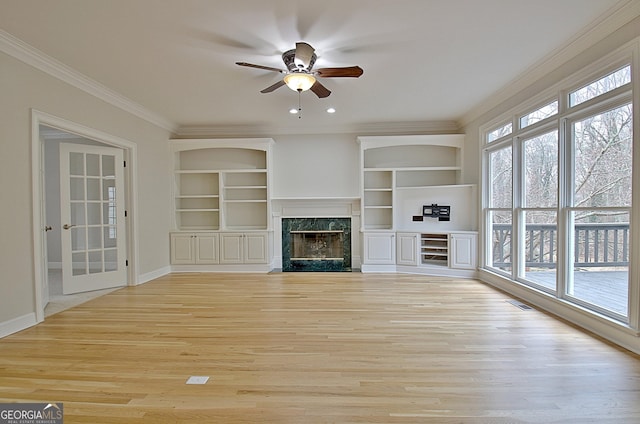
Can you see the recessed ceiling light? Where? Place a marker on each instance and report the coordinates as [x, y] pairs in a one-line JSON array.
[[331, 110], [293, 111]]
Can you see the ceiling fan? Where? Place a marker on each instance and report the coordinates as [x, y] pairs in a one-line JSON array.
[[299, 75]]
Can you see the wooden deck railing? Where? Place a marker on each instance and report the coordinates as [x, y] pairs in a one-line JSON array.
[[594, 245]]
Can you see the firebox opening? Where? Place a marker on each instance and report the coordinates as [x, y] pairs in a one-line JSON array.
[[317, 245]]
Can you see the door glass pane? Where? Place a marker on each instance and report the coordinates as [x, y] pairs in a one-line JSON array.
[[500, 162], [77, 213], [95, 262], [540, 248], [76, 188], [108, 166], [109, 190], [76, 163], [94, 239], [541, 170], [603, 148], [93, 189], [109, 213], [111, 260], [600, 269], [109, 236], [93, 165], [79, 263], [501, 230], [94, 217], [78, 238]]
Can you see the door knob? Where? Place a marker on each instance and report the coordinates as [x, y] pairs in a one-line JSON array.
[[67, 226]]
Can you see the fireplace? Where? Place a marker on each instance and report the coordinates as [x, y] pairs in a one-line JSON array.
[[316, 244]]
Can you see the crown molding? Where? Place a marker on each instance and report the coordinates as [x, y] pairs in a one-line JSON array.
[[620, 14], [31, 56], [377, 128]]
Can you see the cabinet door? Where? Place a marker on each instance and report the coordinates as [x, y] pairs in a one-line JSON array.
[[379, 248], [182, 249], [407, 249], [462, 248], [255, 248], [231, 248], [206, 248]]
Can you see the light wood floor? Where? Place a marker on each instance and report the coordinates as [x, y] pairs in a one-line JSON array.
[[317, 348]]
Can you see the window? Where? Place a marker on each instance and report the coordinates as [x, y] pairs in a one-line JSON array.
[[500, 132], [603, 85], [557, 195], [539, 242], [500, 214], [600, 210], [539, 114]]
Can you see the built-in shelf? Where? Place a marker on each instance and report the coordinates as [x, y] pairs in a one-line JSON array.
[[434, 249], [221, 184], [390, 164]]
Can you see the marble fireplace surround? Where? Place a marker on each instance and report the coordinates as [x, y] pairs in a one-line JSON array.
[[317, 208]]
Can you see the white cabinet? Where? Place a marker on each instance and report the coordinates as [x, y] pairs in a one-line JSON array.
[[435, 253], [407, 249], [463, 247], [243, 248], [379, 248], [194, 248]]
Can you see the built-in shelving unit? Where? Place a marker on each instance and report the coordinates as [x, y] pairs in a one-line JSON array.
[[391, 164], [221, 184], [221, 191], [401, 174]]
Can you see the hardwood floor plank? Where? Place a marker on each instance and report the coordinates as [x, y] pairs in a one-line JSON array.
[[317, 348]]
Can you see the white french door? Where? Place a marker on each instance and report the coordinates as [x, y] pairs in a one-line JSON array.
[[92, 213]]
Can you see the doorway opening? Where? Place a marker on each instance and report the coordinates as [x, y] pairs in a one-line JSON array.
[[52, 252]]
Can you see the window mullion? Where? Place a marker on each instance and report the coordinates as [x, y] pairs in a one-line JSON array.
[[565, 199], [518, 235]]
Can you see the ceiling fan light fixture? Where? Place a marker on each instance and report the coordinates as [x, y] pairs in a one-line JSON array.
[[299, 81]]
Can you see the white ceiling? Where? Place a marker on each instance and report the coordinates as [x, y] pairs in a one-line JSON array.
[[424, 61]]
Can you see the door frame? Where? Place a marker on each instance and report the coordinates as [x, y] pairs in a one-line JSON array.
[[129, 148]]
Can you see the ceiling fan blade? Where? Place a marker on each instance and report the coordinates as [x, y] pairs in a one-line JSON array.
[[320, 90], [349, 71], [266, 68], [273, 87], [304, 54]]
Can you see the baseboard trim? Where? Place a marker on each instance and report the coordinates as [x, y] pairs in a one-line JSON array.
[[240, 268], [146, 277], [17, 324]]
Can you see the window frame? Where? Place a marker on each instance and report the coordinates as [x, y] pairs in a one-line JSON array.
[[562, 122]]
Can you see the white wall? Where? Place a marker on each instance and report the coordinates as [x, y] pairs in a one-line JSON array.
[[24, 88], [315, 166]]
